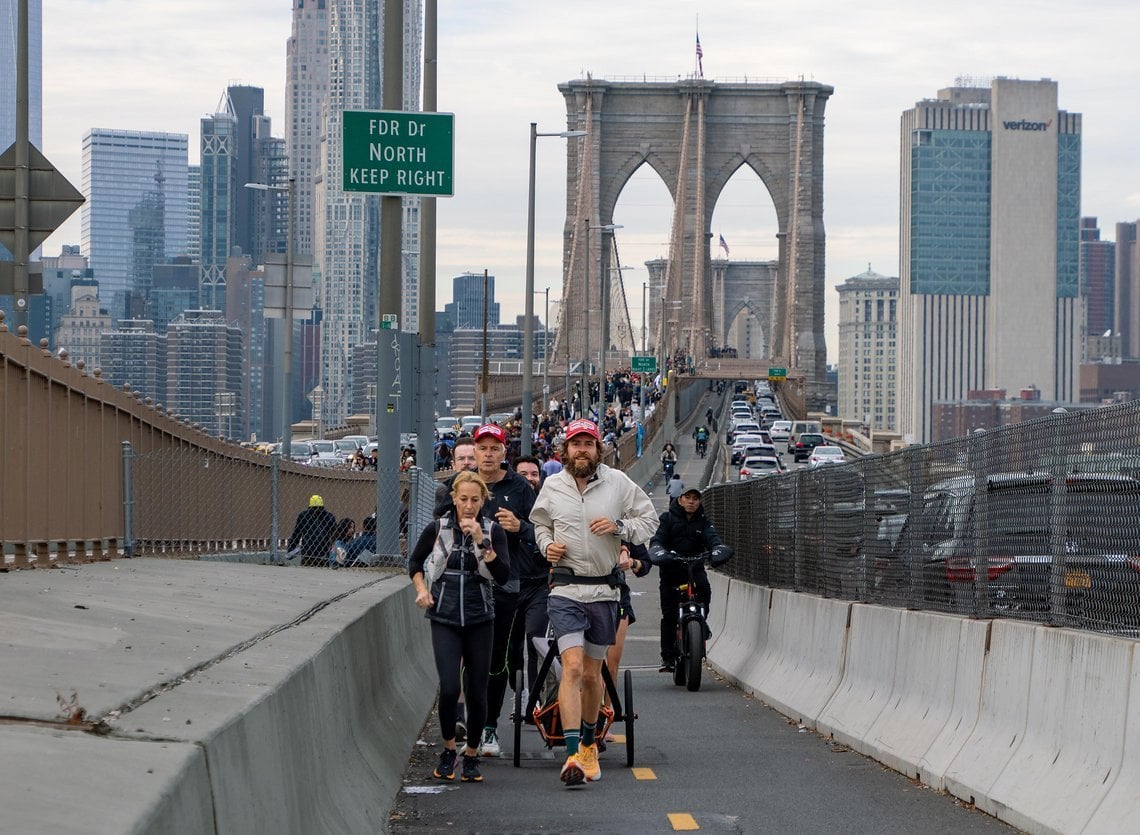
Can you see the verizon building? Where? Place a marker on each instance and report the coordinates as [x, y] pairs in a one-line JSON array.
[[989, 278]]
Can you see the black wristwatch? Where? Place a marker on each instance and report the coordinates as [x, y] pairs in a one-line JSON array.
[[620, 527]]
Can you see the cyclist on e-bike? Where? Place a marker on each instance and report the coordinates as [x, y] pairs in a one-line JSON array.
[[701, 436], [685, 530]]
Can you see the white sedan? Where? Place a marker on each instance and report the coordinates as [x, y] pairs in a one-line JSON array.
[[825, 454], [758, 466]]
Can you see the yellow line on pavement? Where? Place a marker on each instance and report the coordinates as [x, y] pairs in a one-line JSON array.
[[643, 774], [682, 821]]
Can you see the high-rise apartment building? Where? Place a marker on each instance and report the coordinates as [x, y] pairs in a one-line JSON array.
[[868, 334], [1127, 286], [204, 371], [119, 176], [306, 89], [347, 224], [988, 276], [1098, 279], [466, 308], [133, 353], [8, 79]]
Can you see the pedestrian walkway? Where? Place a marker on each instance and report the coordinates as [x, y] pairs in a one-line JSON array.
[[690, 466]]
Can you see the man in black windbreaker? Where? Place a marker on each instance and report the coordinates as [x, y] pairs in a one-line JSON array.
[[509, 504], [685, 530]]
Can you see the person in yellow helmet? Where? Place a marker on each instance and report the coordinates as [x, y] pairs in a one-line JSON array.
[[313, 533]]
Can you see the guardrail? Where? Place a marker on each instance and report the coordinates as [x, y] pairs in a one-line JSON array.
[[1038, 521]]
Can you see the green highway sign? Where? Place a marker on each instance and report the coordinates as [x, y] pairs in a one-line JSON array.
[[777, 374], [398, 152], [645, 365]]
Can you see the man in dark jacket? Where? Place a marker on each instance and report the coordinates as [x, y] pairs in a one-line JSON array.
[[686, 530], [509, 504], [313, 533]]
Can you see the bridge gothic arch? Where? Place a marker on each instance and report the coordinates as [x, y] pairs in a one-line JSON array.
[[695, 134]]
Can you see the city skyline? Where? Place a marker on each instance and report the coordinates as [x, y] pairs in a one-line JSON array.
[[868, 54]]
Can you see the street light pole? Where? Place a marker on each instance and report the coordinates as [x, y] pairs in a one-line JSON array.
[[528, 324], [641, 400], [546, 355], [605, 227], [287, 363]]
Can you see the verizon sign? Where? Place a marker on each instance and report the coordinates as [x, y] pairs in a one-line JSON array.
[[1025, 125]]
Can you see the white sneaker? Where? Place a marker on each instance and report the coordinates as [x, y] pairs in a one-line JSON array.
[[490, 747]]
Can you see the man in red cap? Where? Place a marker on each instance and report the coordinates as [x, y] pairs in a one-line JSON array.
[[581, 517], [509, 504]]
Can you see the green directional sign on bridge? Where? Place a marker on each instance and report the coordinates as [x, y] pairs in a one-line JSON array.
[[777, 375], [645, 365], [398, 152]]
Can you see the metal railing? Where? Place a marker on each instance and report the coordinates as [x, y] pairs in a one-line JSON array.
[[1037, 521]]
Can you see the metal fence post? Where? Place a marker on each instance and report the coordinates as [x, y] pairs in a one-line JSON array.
[[1057, 523], [128, 501], [274, 531], [911, 535], [981, 539]]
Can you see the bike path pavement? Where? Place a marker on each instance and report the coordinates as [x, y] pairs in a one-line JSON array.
[[717, 759]]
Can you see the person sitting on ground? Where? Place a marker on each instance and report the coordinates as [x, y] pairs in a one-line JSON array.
[[312, 533], [362, 550]]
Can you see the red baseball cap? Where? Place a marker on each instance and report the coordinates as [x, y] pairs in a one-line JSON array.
[[491, 430], [582, 427]]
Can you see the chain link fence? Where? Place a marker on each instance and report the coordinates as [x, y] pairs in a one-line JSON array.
[[1038, 521], [192, 503]]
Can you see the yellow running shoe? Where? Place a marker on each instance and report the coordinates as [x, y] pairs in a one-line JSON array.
[[572, 773], [588, 759]]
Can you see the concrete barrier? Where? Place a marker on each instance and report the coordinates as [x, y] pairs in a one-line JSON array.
[[814, 641], [1120, 808], [1000, 728], [745, 631], [935, 694], [235, 698], [868, 677], [309, 730], [718, 607], [1074, 737]]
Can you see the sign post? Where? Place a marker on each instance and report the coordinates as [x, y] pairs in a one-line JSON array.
[[399, 152]]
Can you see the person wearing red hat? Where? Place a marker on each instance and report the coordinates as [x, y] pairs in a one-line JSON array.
[[581, 517], [509, 504]]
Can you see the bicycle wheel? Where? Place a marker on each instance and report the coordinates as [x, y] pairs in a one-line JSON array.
[[695, 646], [627, 707], [679, 663], [518, 717]]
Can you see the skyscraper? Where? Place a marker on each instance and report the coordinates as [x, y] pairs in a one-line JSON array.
[[1098, 268], [219, 163], [347, 225], [306, 89], [8, 79], [988, 272], [466, 311], [868, 332], [119, 169], [194, 213], [1126, 304]]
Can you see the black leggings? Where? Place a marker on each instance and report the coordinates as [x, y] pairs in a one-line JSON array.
[[470, 645], [530, 623], [496, 690]]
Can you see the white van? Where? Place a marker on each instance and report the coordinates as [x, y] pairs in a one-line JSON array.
[[798, 427]]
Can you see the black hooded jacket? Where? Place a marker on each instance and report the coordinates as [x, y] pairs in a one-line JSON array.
[[514, 493], [677, 532]]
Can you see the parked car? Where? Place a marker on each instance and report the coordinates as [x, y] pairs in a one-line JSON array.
[[1084, 569], [805, 443], [779, 430], [758, 466], [824, 455]]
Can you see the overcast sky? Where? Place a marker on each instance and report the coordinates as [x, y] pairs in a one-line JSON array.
[[163, 65]]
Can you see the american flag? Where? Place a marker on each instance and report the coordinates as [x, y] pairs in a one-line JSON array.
[[700, 55], [724, 245]]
